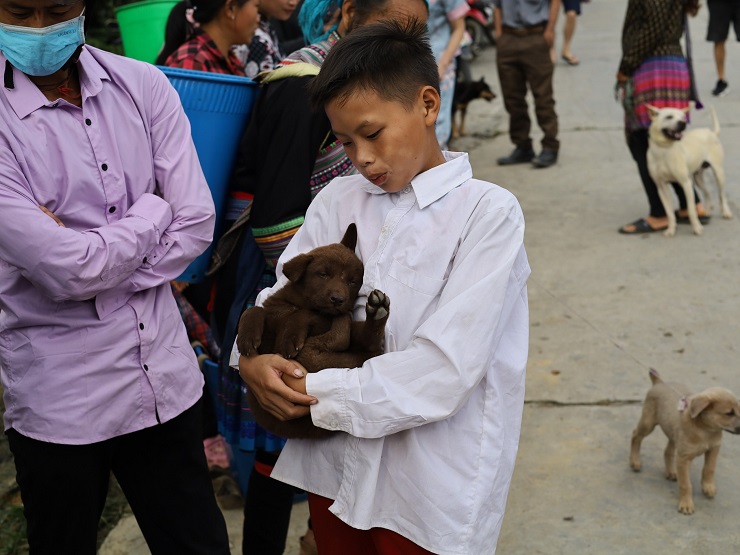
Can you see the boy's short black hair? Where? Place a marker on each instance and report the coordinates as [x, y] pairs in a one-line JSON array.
[[391, 58]]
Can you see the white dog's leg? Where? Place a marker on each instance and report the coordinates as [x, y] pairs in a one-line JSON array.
[[719, 177], [706, 196], [665, 197], [688, 190]]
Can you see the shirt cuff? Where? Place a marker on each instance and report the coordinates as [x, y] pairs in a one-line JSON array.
[[154, 209], [329, 387]]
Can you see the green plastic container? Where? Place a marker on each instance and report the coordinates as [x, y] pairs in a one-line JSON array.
[[142, 28]]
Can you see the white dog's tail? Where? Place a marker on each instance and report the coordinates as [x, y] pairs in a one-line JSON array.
[[715, 121]]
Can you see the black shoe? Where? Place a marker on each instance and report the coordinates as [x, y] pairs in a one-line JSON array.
[[518, 156], [721, 88], [547, 158]]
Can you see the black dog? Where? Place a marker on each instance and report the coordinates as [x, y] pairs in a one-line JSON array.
[[465, 93]]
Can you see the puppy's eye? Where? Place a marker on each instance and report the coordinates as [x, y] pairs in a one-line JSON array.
[[731, 413], [669, 117], [323, 275]]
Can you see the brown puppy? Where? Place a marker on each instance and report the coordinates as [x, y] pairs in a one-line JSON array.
[[310, 320], [694, 426]]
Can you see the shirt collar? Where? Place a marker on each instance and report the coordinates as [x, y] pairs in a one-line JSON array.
[[433, 184], [26, 98]]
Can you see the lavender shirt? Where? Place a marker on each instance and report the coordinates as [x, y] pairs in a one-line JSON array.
[[91, 342]]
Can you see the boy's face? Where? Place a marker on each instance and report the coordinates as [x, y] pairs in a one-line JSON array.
[[388, 142]]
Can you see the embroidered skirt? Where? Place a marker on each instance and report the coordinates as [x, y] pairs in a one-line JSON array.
[[663, 82]]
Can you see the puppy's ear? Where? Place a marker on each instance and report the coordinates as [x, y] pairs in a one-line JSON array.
[[350, 237], [697, 403], [296, 267], [652, 110]]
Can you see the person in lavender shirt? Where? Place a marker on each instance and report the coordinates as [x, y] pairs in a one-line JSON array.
[[102, 203]]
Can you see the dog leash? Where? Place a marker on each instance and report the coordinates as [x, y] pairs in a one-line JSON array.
[[693, 92], [683, 402]]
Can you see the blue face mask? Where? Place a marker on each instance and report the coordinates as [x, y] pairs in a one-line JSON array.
[[42, 51]]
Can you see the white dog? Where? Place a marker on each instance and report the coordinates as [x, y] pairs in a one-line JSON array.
[[675, 156]]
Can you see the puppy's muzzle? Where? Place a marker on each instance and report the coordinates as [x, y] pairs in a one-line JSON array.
[[735, 431]]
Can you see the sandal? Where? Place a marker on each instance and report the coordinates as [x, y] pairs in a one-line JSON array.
[[641, 226], [704, 219], [571, 60]]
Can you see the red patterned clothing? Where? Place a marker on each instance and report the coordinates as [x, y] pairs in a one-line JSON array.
[[663, 82], [201, 53]]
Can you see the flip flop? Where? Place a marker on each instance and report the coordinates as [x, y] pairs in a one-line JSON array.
[[641, 226], [571, 60], [704, 219]]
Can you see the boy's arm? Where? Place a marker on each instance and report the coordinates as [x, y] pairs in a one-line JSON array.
[[481, 323]]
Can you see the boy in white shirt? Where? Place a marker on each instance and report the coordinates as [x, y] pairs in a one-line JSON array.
[[427, 433]]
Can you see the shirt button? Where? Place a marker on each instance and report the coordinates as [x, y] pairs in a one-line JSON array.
[[112, 209], [333, 424], [104, 167], [144, 261], [141, 326], [146, 368], [88, 121]]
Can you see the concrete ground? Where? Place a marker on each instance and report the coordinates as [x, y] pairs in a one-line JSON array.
[[604, 309]]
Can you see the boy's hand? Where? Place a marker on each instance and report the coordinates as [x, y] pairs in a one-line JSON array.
[[263, 374]]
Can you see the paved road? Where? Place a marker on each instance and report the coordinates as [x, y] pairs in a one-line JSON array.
[[605, 308]]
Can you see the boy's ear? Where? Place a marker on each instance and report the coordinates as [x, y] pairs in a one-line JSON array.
[[431, 101], [294, 268]]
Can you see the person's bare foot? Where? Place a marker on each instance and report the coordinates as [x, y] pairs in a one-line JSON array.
[[308, 543]]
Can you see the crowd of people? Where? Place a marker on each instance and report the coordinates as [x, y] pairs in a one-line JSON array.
[[103, 204]]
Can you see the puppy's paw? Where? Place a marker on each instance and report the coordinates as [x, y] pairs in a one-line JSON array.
[[709, 489], [671, 476], [378, 305], [686, 507], [726, 214], [698, 230], [289, 346], [635, 465], [670, 232], [247, 347]]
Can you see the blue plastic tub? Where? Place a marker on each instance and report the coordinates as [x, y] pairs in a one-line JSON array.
[[218, 107]]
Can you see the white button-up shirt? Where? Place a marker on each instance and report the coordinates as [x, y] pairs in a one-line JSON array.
[[431, 426]]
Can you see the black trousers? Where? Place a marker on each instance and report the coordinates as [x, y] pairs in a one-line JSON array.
[[162, 471], [638, 142]]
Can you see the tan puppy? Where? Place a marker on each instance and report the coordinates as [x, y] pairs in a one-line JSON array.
[[675, 156], [694, 426]]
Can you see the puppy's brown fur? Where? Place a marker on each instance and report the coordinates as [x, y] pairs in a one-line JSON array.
[[310, 320], [694, 426]]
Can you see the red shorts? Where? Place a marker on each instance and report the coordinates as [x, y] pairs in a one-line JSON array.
[[334, 537]]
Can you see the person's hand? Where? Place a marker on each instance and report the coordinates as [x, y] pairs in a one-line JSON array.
[[263, 375], [549, 35], [442, 66], [49, 213]]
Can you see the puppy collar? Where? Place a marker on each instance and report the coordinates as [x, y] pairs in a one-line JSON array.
[[683, 404]]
